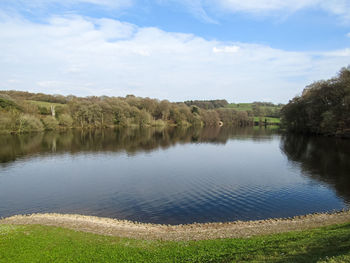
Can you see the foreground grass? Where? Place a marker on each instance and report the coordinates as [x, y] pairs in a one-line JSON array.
[[52, 244]]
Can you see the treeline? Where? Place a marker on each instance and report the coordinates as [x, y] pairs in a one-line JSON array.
[[22, 112], [323, 107], [24, 95], [207, 104]]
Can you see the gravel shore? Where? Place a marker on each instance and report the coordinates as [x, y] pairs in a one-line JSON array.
[[121, 228]]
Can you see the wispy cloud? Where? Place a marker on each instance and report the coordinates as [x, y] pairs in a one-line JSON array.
[[340, 8], [204, 10], [195, 7], [258, 6], [86, 56], [33, 5]]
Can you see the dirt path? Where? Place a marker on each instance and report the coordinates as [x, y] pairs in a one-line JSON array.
[[112, 227]]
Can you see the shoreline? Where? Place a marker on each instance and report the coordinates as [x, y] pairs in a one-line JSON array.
[[195, 231]]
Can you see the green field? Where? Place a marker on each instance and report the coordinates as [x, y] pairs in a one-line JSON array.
[[249, 106], [52, 244], [241, 106], [268, 119], [264, 111]]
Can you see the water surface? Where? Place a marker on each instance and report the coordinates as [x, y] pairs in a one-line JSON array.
[[174, 176]]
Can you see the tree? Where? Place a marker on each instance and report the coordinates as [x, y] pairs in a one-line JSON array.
[[323, 107]]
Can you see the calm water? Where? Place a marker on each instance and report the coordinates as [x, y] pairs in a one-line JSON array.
[[174, 176]]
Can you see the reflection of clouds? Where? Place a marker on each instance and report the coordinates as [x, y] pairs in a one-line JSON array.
[[119, 173], [185, 183]]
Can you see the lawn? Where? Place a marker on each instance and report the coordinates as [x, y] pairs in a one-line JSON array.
[[52, 244]]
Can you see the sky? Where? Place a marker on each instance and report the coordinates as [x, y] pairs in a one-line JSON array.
[[242, 51]]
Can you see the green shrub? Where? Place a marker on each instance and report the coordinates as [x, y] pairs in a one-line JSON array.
[[28, 123], [50, 123], [44, 110], [8, 104], [145, 118], [65, 120], [5, 122], [159, 123]]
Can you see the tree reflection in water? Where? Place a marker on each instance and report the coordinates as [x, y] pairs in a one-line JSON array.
[[323, 159], [129, 140]]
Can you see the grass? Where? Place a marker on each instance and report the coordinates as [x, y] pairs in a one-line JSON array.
[[268, 119], [249, 106], [240, 106], [52, 244]]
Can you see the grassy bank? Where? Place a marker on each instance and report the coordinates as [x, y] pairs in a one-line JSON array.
[[269, 120], [52, 244]]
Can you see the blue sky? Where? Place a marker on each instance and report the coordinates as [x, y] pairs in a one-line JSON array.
[[173, 49]]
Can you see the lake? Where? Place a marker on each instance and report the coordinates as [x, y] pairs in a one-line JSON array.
[[174, 176]]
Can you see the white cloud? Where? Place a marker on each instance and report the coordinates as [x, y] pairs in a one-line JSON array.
[[50, 84], [348, 34], [13, 81], [226, 49], [338, 53], [340, 8], [87, 56]]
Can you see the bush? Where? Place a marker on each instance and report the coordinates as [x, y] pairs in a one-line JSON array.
[[28, 123], [159, 123], [5, 122], [145, 118], [8, 104], [44, 110], [50, 123], [65, 120]]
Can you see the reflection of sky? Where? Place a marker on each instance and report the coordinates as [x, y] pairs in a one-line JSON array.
[[185, 183]]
